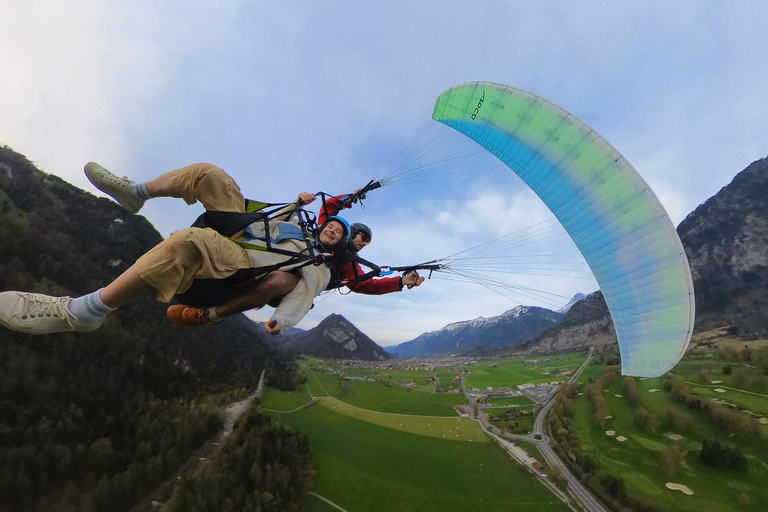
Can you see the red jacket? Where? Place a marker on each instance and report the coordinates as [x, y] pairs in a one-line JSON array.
[[348, 271]]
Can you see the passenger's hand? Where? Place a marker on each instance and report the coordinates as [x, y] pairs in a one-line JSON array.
[[305, 198], [272, 327], [412, 279]]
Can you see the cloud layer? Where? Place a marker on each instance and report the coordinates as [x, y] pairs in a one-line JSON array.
[[311, 96]]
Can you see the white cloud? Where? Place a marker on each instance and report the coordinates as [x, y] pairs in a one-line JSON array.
[[321, 96]]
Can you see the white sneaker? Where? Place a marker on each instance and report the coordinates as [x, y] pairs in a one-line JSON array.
[[121, 189], [35, 313]]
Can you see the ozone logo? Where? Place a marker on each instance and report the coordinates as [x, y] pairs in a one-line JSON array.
[[479, 104]]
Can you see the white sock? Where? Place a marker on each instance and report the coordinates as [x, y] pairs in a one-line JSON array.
[[141, 190], [210, 314], [89, 307]]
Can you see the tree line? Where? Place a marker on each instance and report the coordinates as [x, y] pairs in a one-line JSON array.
[[263, 467], [568, 446]]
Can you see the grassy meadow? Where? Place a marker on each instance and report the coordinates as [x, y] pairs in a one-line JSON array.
[[392, 443], [513, 372], [383, 396], [379, 446], [511, 401], [361, 465], [637, 458]]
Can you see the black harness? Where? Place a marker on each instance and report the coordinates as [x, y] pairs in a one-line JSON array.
[[231, 223], [213, 292]]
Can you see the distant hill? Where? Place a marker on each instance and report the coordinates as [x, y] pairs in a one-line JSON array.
[[333, 338], [511, 328]]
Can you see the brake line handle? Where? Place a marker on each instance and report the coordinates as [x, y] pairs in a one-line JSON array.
[[371, 185]]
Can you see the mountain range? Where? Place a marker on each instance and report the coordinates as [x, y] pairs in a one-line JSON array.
[[511, 328], [726, 241]]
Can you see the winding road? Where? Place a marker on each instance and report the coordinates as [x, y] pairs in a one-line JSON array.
[[541, 441]]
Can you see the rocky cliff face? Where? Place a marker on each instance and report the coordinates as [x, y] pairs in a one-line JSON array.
[[335, 337], [726, 240], [587, 323], [514, 327]]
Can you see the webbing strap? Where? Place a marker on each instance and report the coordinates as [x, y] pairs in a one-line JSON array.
[[374, 272], [231, 223], [254, 272]]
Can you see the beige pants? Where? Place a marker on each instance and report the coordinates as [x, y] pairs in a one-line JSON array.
[[195, 253]]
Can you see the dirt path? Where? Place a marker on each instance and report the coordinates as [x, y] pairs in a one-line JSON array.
[[328, 501]]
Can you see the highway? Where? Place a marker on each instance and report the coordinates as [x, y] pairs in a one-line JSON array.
[[575, 486], [541, 441]]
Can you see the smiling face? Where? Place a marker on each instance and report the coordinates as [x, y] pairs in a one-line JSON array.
[[332, 234]]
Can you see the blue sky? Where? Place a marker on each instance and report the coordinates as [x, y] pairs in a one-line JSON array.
[[309, 96]]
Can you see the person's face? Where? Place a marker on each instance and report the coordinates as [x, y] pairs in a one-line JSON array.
[[360, 241], [332, 234]]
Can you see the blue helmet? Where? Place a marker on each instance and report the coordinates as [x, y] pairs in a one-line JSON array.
[[340, 220]]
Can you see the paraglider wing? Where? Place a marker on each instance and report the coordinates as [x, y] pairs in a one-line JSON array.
[[614, 218]]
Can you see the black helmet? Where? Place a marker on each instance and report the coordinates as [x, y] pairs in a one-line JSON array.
[[359, 227]]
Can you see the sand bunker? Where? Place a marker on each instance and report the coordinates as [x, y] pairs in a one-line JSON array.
[[618, 396], [621, 439], [719, 390], [764, 421], [654, 390], [608, 417], [673, 437], [610, 432], [717, 382], [680, 487]]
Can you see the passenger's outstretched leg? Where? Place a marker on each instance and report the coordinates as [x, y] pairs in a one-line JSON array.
[[35, 313], [210, 185], [273, 286], [168, 269]]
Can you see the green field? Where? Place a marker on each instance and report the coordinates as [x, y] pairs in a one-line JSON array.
[[510, 373], [384, 396], [284, 402], [518, 401], [411, 465], [315, 504], [636, 460], [592, 371], [364, 466]]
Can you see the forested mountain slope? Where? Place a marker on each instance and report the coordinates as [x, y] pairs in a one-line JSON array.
[[104, 415]]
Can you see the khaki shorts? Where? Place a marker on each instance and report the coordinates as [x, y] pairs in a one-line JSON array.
[[214, 188], [194, 253]]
